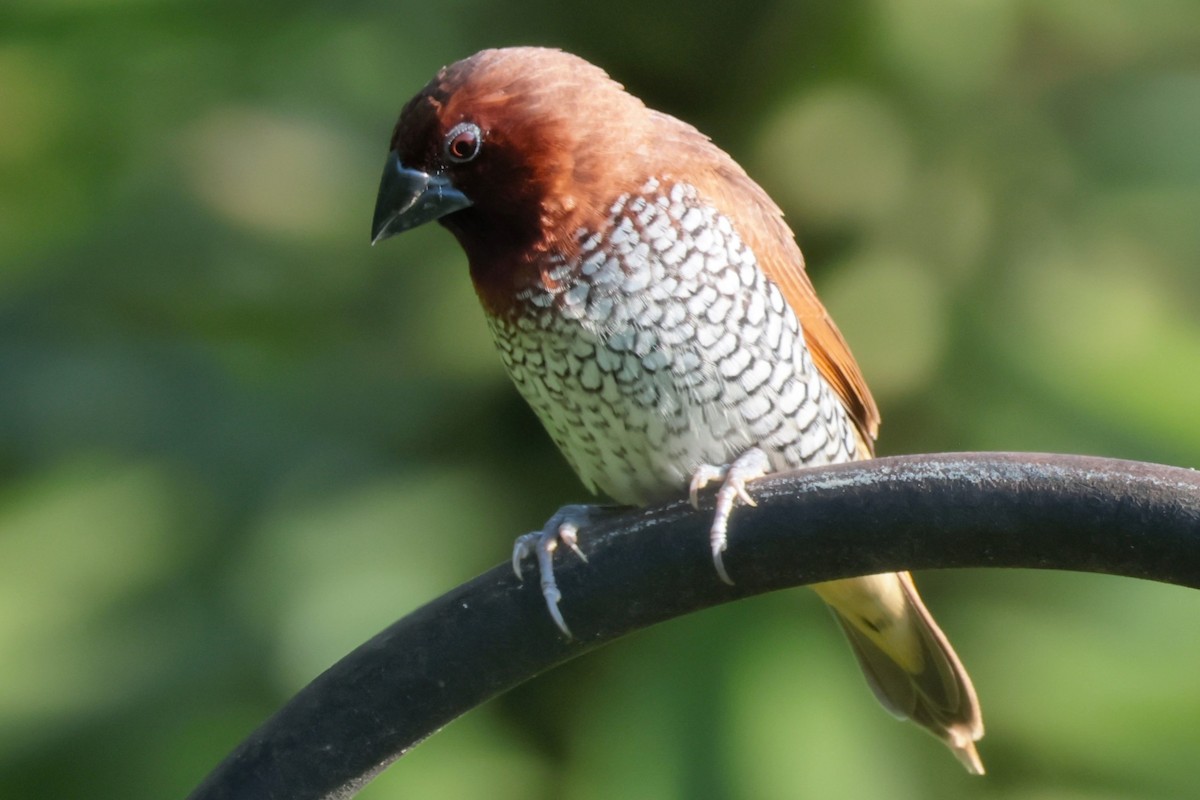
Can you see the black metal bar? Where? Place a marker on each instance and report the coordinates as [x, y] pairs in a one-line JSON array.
[[910, 512]]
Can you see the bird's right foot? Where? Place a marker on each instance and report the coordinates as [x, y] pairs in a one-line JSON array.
[[562, 528]]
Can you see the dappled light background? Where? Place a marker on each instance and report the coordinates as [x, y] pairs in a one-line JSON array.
[[235, 441]]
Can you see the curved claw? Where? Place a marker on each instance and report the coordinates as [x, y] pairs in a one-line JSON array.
[[523, 546], [719, 563], [546, 545], [568, 534]]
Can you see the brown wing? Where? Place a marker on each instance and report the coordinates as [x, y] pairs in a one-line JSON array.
[[760, 223]]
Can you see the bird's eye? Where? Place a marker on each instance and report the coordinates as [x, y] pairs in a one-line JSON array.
[[463, 142]]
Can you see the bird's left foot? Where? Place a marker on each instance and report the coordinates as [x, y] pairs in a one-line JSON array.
[[733, 477], [562, 528]]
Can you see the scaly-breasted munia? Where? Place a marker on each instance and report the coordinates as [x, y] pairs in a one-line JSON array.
[[652, 307]]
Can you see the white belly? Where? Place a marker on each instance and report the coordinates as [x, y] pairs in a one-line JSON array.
[[662, 347]]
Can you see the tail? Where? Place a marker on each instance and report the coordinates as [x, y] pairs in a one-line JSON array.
[[907, 660]]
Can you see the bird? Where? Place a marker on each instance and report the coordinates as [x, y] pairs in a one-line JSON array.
[[652, 307]]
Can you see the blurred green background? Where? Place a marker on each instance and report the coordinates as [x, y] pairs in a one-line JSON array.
[[235, 441]]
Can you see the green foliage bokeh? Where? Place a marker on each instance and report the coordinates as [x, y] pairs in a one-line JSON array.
[[235, 440]]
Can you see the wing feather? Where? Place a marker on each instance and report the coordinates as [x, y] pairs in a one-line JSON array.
[[760, 223]]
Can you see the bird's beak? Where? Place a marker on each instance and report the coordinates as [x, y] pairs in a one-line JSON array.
[[409, 197]]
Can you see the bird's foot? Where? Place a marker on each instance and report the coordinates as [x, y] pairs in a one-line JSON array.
[[733, 477], [562, 528]]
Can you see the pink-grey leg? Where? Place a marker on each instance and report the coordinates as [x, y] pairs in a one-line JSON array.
[[562, 527], [733, 477]]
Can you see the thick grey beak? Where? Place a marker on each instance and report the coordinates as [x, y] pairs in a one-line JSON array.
[[409, 197]]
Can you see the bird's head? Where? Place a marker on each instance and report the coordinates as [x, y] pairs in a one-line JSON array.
[[513, 150]]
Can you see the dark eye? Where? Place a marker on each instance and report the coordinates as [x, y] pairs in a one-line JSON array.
[[463, 142]]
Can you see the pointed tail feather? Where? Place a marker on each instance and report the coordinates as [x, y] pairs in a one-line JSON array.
[[908, 662]]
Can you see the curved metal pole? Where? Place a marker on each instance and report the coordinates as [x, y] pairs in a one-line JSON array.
[[910, 512]]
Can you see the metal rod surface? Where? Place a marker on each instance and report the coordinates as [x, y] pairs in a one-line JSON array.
[[910, 512]]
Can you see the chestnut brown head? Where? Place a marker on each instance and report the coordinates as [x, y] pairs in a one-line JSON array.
[[507, 149]]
